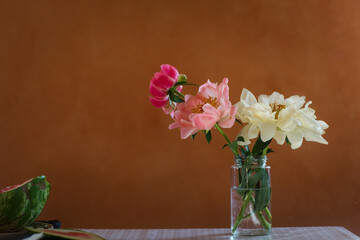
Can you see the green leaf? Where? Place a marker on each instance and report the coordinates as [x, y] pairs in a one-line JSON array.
[[255, 178], [208, 136], [269, 151], [175, 98], [245, 174], [238, 121], [243, 183], [263, 194], [185, 83], [287, 141], [264, 151], [240, 138], [251, 177], [240, 181], [193, 136], [244, 151], [234, 147], [259, 146]]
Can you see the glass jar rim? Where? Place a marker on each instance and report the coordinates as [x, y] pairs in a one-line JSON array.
[[258, 160]]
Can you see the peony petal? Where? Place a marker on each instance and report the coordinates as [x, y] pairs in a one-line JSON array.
[[209, 109], [244, 133], [267, 131], [295, 138], [170, 71], [228, 123], [174, 125], [316, 138], [158, 102], [187, 132], [224, 89], [286, 120], [162, 81], [204, 121], [181, 106], [191, 102], [187, 97], [156, 91], [247, 97], [169, 108], [312, 136], [276, 97], [323, 124], [253, 131], [224, 108], [262, 112], [279, 137], [296, 145], [287, 125], [296, 100], [264, 99], [287, 112], [208, 89], [307, 104], [308, 111], [240, 106]]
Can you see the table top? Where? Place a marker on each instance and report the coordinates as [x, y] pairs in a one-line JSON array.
[[282, 233]]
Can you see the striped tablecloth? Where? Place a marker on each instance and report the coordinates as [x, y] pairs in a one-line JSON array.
[[288, 233]]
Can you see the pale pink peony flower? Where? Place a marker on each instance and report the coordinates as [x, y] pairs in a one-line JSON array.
[[160, 85], [211, 105]]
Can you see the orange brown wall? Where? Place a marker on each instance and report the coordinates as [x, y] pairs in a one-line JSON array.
[[74, 79]]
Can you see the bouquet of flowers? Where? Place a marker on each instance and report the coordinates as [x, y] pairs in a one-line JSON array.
[[270, 117]]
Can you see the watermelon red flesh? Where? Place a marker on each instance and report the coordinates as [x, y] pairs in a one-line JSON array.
[[21, 204], [6, 189], [66, 233]]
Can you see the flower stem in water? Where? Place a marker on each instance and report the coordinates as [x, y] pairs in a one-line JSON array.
[[259, 214], [242, 210]]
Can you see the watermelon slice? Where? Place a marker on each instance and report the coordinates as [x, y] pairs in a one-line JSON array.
[[66, 233], [21, 204]]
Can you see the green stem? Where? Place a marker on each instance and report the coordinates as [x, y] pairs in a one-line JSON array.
[[179, 93], [267, 211], [242, 210], [235, 151], [263, 221], [265, 150], [252, 213], [260, 216]]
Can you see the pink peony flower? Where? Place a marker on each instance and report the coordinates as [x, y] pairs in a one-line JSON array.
[[211, 105], [161, 83]]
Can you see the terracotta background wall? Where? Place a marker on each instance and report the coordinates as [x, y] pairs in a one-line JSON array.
[[74, 79]]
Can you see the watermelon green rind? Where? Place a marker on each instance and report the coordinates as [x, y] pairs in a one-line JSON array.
[[20, 205], [66, 233]]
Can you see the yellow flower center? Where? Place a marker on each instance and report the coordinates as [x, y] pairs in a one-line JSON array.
[[277, 108], [210, 100]]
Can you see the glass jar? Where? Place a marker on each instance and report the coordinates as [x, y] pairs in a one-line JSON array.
[[250, 196]]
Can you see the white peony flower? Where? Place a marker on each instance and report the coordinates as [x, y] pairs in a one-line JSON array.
[[275, 117]]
